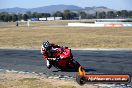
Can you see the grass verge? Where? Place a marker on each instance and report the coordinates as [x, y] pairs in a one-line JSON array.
[[17, 80], [32, 37], [31, 83]]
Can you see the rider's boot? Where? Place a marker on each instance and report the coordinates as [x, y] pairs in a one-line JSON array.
[[49, 65]]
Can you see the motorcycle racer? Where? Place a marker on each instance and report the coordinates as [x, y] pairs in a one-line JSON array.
[[51, 51]]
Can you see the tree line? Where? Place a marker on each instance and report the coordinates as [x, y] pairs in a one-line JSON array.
[[66, 15]]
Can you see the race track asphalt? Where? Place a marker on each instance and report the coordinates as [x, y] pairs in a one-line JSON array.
[[116, 62]]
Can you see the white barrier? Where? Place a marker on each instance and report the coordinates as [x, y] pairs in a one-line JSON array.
[[113, 22], [98, 25], [85, 25], [127, 25]]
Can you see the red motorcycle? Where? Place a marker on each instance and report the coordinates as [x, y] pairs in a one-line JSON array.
[[66, 63]]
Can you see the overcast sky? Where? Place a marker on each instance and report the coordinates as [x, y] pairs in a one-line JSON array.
[[113, 4]]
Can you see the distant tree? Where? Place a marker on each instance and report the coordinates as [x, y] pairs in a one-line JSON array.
[[10, 18], [110, 14], [58, 14], [25, 17], [0, 17], [101, 15], [29, 14], [67, 15], [124, 13], [20, 16], [97, 15], [90, 16], [45, 14], [130, 14], [83, 15], [34, 15], [4, 16], [73, 15], [118, 14], [40, 15], [14, 17], [7, 18]]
